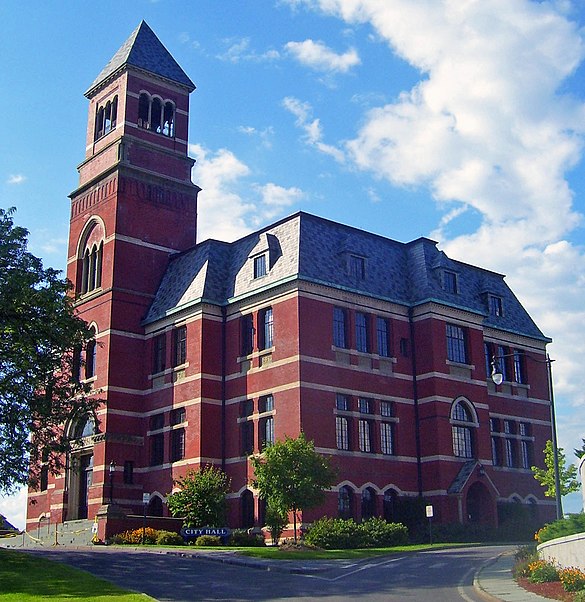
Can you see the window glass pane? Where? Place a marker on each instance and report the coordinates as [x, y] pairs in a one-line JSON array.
[[259, 266], [386, 408], [361, 332], [456, 347], [159, 353], [268, 326], [386, 438], [177, 445], [341, 432], [495, 305], [382, 331], [357, 267], [365, 405], [462, 442], [180, 345], [266, 403], [247, 327], [518, 367], [339, 339], [364, 436], [450, 281], [342, 402]]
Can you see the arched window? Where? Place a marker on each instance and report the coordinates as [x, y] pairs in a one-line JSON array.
[[462, 424], [84, 428], [90, 358], [156, 115], [390, 510], [247, 505], [91, 255], [106, 118], [345, 502], [368, 503]]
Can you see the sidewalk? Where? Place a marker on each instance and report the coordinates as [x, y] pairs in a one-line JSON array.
[[494, 581]]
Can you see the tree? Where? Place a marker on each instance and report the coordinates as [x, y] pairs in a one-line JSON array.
[[546, 476], [39, 335], [291, 476], [580, 452], [201, 502]]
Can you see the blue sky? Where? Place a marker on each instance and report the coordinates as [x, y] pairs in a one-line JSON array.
[[461, 120]]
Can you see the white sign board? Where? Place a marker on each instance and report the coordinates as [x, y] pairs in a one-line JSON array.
[[429, 510], [145, 498]]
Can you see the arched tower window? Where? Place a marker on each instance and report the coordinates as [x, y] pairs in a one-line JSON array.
[[90, 358], [91, 259], [106, 118], [463, 421], [156, 115]]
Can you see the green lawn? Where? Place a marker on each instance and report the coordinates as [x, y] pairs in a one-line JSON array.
[[27, 578]]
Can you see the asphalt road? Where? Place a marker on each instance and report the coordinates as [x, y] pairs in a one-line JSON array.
[[437, 576]]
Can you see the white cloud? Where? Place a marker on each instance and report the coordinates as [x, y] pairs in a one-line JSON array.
[[16, 179], [13, 507], [230, 204], [312, 127], [239, 50], [264, 135], [489, 127], [318, 56]]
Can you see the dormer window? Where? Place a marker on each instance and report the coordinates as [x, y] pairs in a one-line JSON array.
[[450, 282], [495, 305], [260, 266], [357, 267]]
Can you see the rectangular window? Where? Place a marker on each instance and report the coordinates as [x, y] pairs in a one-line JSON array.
[[502, 361], [488, 355], [247, 407], [177, 416], [496, 306], [339, 327], [365, 405], [157, 449], [365, 440], [177, 445], [342, 432], [519, 367], [456, 344], [159, 353], [247, 430], [462, 445], [496, 457], [357, 267], [266, 403], [266, 320], [508, 427], [510, 453], [524, 429], [383, 336], [494, 425], [157, 421], [179, 345], [387, 438], [526, 454], [128, 472], [361, 332], [386, 408], [342, 402], [44, 478], [247, 334], [260, 266], [267, 431], [450, 282]]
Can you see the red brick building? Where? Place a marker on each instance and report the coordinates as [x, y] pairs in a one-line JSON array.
[[379, 351]]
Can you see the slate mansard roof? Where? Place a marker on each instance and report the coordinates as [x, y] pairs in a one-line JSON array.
[[313, 249], [144, 51]]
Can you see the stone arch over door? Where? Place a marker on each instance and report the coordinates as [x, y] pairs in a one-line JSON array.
[[479, 504]]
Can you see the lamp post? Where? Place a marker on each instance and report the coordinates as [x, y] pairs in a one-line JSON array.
[[498, 377], [112, 469]]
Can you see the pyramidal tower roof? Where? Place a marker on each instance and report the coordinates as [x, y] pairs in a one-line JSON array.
[[144, 51]]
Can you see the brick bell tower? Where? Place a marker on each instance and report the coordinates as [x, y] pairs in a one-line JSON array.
[[135, 206]]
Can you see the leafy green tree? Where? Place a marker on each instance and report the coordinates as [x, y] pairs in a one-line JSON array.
[[580, 452], [201, 502], [39, 333], [546, 476], [291, 476]]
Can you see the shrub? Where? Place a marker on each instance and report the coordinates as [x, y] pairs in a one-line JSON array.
[[573, 579], [541, 571], [276, 521], [134, 537], [377, 533], [169, 538], [579, 596], [526, 553], [207, 541], [575, 523], [334, 534], [241, 537]]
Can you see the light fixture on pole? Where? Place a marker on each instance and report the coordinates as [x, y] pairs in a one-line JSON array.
[[112, 470], [498, 377]]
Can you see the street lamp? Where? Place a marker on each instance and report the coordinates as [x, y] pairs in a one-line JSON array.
[[112, 470], [498, 377]]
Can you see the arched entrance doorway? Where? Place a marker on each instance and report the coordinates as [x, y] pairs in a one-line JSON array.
[[479, 504], [80, 477]]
